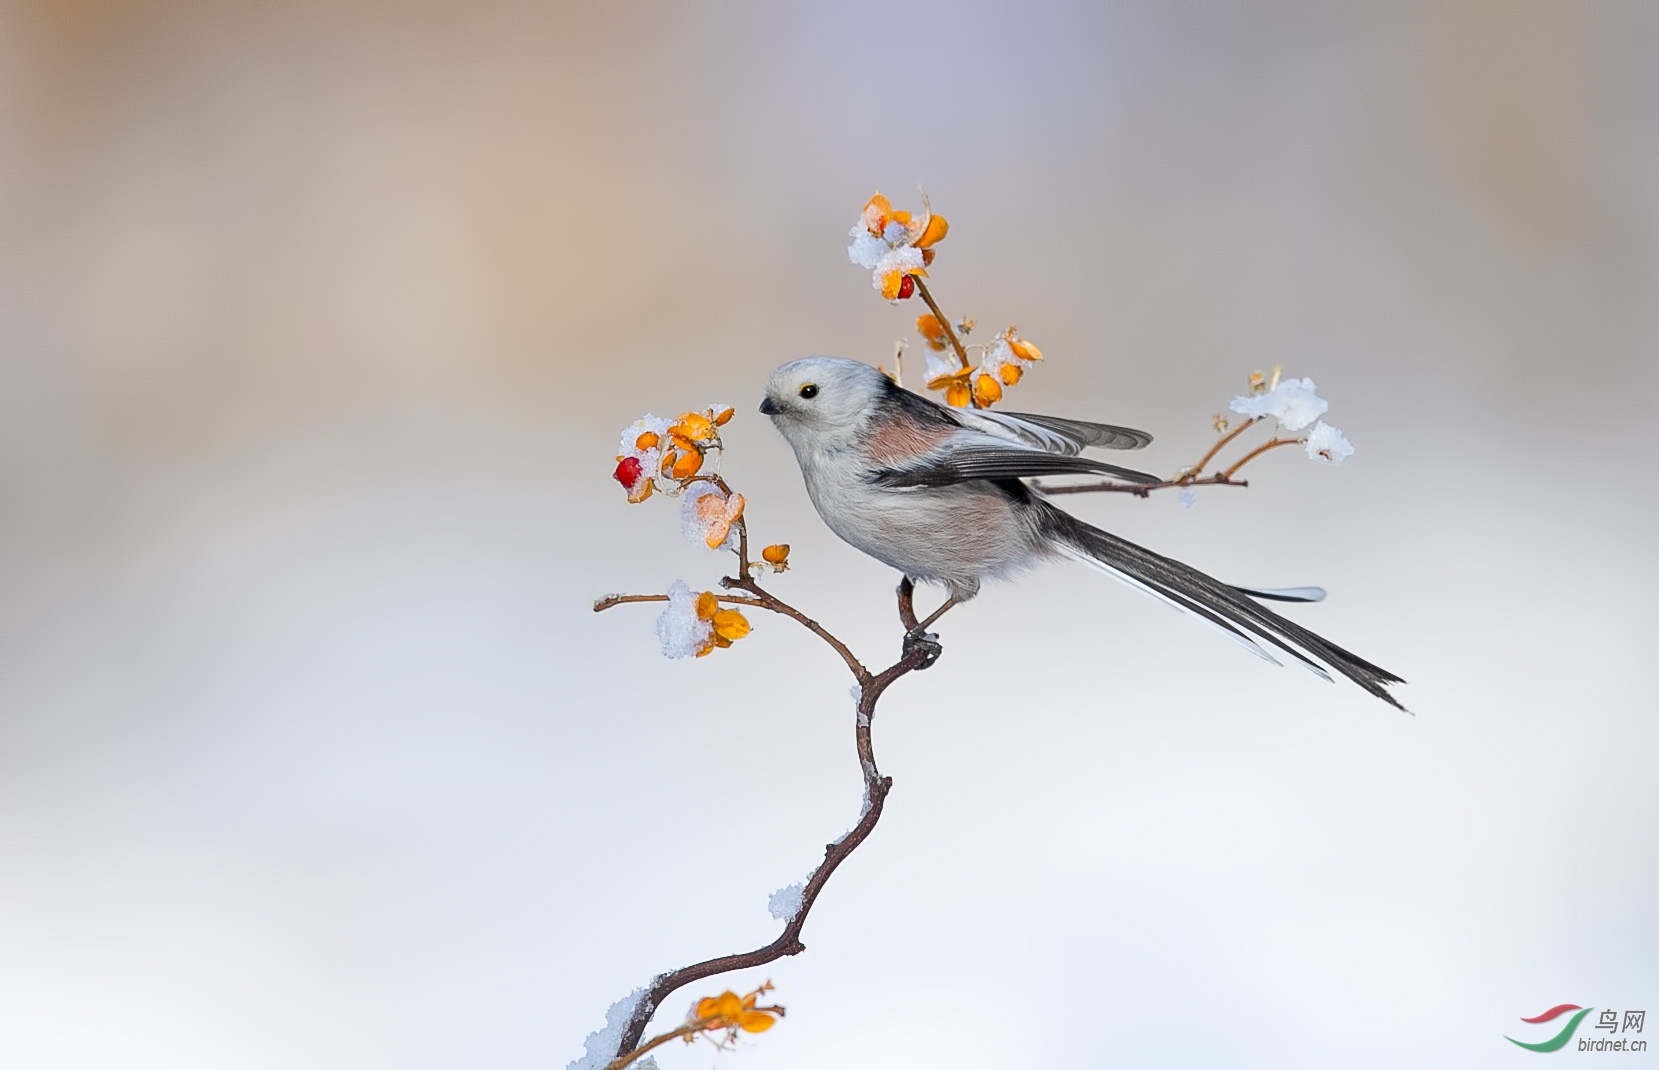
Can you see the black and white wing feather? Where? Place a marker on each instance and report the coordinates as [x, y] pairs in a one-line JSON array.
[[1053, 433], [970, 455]]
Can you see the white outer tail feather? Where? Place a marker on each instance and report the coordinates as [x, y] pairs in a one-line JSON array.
[[1288, 594], [1078, 554]]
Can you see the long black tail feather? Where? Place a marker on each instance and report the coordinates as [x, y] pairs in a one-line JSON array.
[[1223, 606]]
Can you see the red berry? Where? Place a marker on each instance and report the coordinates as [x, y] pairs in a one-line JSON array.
[[906, 287], [629, 471]]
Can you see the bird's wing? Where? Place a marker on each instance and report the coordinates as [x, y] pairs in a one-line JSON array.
[[1052, 433], [971, 455]]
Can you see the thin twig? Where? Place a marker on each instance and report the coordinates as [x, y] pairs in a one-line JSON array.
[[944, 322], [742, 548], [612, 600], [1257, 452], [1221, 444], [655, 1042], [689, 1030], [767, 600], [1141, 490]]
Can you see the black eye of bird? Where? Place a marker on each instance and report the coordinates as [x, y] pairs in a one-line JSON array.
[[809, 391]]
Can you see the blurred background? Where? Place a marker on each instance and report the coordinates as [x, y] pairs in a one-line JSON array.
[[320, 327]]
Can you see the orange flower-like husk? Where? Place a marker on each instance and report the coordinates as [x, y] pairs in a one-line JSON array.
[[931, 330], [725, 1005], [935, 232], [641, 491], [708, 608], [722, 416], [694, 426], [987, 391], [776, 554], [1023, 349], [730, 625], [720, 514], [711, 510], [1011, 373], [877, 210], [647, 441], [687, 463], [958, 394], [891, 282], [727, 1011]]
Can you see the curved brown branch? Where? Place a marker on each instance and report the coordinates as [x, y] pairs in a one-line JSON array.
[[1257, 452], [611, 601], [1221, 444], [766, 600], [760, 598], [876, 787], [944, 322]]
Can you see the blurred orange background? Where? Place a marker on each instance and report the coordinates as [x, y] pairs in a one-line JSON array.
[[322, 322]]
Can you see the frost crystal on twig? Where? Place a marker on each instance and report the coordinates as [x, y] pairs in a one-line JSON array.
[[1325, 443], [785, 903], [601, 1045], [1295, 403], [682, 632]]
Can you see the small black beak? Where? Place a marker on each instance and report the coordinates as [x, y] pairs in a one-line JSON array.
[[769, 407]]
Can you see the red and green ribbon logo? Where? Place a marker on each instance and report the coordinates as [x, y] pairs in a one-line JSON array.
[[1560, 1039]]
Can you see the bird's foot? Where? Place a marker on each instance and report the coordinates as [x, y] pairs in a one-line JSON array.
[[923, 644]]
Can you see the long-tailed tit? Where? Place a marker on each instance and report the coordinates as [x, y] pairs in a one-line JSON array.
[[940, 495]]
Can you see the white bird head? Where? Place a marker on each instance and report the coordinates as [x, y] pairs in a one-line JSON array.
[[822, 402]]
